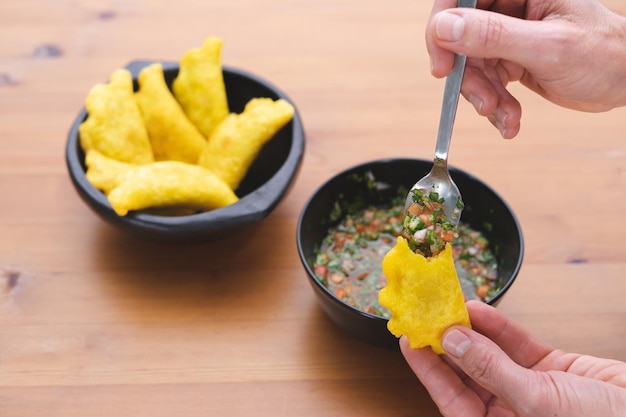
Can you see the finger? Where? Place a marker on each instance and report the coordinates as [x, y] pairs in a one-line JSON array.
[[524, 391], [445, 387], [508, 112], [479, 90], [513, 339], [441, 60], [506, 132], [484, 34], [483, 88], [516, 8], [484, 395], [484, 362]]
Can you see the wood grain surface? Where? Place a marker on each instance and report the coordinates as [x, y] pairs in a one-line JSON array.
[[95, 323]]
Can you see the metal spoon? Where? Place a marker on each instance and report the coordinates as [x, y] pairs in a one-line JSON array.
[[438, 179]]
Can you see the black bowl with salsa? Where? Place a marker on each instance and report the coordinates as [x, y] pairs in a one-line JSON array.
[[351, 221]]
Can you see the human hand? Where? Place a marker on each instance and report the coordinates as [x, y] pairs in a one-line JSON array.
[[572, 52], [499, 369]]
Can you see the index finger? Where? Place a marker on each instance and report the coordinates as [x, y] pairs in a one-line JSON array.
[[513, 339]]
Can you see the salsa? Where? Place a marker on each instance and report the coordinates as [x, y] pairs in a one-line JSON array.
[[426, 228], [349, 260], [476, 264]]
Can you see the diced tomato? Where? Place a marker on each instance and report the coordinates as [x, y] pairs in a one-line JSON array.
[[375, 224], [447, 236], [320, 271], [339, 240], [340, 293], [415, 209], [481, 291]]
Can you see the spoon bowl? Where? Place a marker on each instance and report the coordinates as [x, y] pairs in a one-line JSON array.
[[438, 180]]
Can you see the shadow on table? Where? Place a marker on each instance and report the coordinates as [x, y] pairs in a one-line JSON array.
[[171, 281], [375, 378]]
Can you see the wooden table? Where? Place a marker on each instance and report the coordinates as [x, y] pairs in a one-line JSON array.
[[95, 323]]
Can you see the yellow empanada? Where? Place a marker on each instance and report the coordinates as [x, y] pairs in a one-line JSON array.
[[422, 294], [114, 126], [235, 143], [104, 173], [169, 184], [199, 86], [172, 135]]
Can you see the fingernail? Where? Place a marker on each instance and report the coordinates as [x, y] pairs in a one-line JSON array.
[[499, 121], [501, 116], [455, 343], [500, 127], [505, 132], [449, 26], [476, 102]]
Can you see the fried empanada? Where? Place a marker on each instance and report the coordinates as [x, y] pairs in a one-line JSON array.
[[235, 143], [172, 135], [199, 86], [114, 126], [423, 295], [103, 172], [170, 184]]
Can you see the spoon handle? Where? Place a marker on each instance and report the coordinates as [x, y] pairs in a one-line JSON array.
[[451, 93]]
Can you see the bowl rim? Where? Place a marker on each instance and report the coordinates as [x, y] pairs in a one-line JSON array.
[[249, 208], [384, 161]]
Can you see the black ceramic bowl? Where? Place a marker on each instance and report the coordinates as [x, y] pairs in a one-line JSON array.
[[265, 184], [485, 211]]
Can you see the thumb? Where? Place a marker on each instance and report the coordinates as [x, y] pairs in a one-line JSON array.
[[484, 362], [484, 34]]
